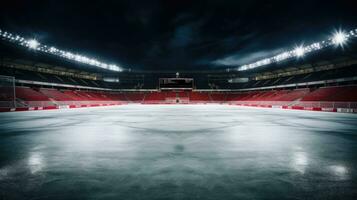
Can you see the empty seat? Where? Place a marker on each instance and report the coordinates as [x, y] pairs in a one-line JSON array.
[[29, 94]]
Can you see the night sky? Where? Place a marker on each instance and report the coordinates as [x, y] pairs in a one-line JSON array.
[[177, 34]]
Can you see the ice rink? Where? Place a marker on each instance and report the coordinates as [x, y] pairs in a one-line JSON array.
[[178, 152]]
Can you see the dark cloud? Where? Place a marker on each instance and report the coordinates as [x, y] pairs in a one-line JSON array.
[[183, 36], [237, 59], [176, 34]]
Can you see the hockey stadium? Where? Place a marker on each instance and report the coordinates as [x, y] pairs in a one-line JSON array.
[[178, 100]]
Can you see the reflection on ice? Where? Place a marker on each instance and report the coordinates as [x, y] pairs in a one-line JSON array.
[[35, 162], [300, 162], [340, 171]]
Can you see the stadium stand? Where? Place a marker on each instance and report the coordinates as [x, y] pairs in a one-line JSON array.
[[323, 84], [345, 93], [74, 96], [155, 97], [199, 96], [218, 97], [56, 94], [335, 93], [332, 97], [134, 96], [30, 94]]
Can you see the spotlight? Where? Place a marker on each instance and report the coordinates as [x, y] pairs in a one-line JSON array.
[[339, 38], [33, 44], [299, 51], [53, 49]]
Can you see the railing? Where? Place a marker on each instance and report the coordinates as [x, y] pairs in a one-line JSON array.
[[307, 104], [324, 104], [273, 103], [9, 104], [79, 103]]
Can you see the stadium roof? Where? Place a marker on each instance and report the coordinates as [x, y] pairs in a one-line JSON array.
[[176, 35]]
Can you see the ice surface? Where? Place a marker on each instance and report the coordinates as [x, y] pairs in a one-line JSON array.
[[178, 152]]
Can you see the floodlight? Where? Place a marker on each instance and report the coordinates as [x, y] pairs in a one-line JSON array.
[[53, 49], [299, 51], [339, 38], [33, 44]]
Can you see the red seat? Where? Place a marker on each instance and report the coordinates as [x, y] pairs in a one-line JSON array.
[[29, 94]]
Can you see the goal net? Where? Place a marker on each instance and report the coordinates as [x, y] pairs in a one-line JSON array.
[[7, 92]]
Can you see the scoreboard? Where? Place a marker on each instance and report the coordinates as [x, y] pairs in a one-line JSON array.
[[176, 83]]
